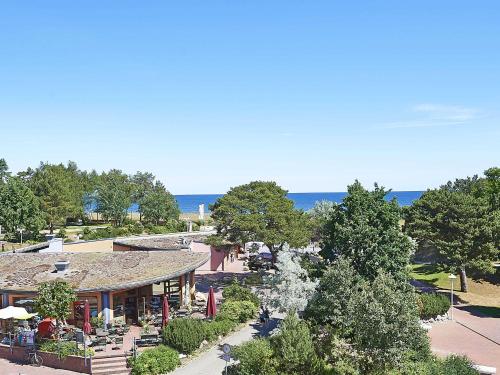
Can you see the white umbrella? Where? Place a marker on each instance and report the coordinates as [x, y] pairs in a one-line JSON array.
[[12, 312]]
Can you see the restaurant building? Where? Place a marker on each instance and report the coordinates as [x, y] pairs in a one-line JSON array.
[[122, 285]]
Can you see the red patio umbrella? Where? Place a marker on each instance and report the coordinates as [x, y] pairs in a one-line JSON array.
[[86, 319], [211, 308], [164, 311]]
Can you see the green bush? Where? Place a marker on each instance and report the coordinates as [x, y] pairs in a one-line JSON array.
[[256, 358], [184, 334], [159, 360], [431, 305], [217, 328], [236, 292], [237, 311], [451, 365], [63, 348]]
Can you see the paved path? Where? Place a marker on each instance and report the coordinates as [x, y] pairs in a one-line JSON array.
[[10, 368], [471, 334], [211, 362]]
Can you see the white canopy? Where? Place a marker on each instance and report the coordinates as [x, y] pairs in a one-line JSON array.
[[12, 312]]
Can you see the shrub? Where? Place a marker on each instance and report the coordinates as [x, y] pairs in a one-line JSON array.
[[457, 365], [63, 348], [237, 311], [217, 328], [184, 334], [159, 360], [293, 347], [451, 365], [62, 232], [256, 358], [236, 292], [431, 305]]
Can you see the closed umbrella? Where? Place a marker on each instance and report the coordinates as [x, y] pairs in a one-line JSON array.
[[86, 318], [211, 308], [164, 311]]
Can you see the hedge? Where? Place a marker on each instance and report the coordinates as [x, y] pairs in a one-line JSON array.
[[430, 305], [159, 360], [184, 334], [236, 292], [216, 328], [237, 311]]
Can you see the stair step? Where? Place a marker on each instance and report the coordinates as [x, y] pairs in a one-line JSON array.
[[109, 366], [109, 360], [112, 372]]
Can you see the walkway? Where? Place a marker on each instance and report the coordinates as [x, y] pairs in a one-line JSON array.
[[473, 335], [10, 368], [211, 362]]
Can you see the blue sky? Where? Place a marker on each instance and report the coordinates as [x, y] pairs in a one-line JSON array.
[[211, 94]]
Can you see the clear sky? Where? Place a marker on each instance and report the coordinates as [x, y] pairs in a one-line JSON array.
[[211, 94]]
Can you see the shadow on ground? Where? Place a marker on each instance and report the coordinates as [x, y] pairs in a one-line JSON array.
[[481, 311]]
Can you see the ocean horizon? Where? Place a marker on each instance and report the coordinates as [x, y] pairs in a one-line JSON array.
[[188, 203]]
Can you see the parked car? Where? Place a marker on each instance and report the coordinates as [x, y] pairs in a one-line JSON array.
[[260, 261]]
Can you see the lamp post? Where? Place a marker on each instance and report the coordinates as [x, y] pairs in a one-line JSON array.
[[451, 277]]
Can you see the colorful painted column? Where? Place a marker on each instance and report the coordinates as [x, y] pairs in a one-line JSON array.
[[106, 307], [5, 300]]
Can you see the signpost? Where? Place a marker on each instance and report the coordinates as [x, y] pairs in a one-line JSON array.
[[451, 277], [226, 348]]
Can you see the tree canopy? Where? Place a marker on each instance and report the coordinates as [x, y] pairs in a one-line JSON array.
[[157, 204], [114, 196], [19, 208], [60, 189], [462, 228], [54, 300], [260, 211], [365, 228]]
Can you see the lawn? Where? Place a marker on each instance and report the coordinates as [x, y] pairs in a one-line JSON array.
[[483, 295]]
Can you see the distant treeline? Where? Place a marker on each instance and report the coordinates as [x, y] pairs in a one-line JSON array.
[[51, 194]]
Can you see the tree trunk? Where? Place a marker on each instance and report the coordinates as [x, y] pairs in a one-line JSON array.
[[51, 228], [463, 280]]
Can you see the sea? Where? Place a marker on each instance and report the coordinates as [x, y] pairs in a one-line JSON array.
[[302, 201]]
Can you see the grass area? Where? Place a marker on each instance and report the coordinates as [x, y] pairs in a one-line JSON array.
[[483, 296]]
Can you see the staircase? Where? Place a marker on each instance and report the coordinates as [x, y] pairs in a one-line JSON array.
[[110, 365]]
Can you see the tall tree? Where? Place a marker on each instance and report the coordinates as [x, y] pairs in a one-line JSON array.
[[19, 208], [143, 183], [365, 228], [60, 190], [114, 196], [291, 287], [492, 187], [158, 204], [4, 171], [463, 229], [260, 211]]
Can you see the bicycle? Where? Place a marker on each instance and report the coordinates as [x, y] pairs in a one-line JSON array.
[[33, 358]]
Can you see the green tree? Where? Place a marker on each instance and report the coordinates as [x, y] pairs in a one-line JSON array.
[[332, 303], [158, 205], [4, 171], [19, 208], [293, 347], [143, 183], [385, 326], [114, 196], [462, 228], [320, 214], [365, 228], [60, 190], [492, 187], [255, 358], [260, 211], [54, 300]]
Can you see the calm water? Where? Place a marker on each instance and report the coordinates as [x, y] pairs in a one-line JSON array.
[[304, 201]]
